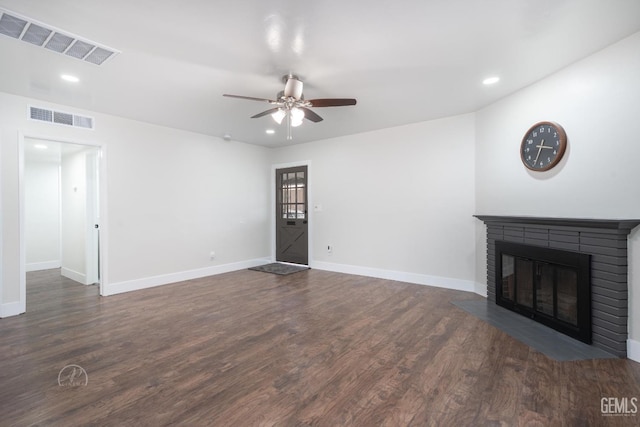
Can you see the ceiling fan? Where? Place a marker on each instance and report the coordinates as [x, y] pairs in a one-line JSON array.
[[290, 104]]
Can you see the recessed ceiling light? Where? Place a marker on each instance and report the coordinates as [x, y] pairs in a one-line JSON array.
[[69, 78], [40, 146], [270, 131], [491, 80]]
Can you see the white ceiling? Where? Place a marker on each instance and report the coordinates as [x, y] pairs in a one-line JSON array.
[[404, 61]]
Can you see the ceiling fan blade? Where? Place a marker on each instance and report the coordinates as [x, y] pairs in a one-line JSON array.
[[264, 113], [332, 102], [310, 115], [251, 98]]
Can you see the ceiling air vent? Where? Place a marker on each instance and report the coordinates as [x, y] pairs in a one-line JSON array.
[[48, 37], [60, 118]]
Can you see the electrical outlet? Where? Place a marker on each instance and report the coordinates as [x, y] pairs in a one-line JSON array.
[[329, 249], [212, 255]]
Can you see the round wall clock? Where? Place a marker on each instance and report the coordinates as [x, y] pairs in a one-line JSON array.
[[543, 146]]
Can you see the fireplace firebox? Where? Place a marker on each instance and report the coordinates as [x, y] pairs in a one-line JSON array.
[[550, 286]]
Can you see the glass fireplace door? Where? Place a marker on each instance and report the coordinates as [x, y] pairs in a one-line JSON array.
[[546, 289], [555, 292]]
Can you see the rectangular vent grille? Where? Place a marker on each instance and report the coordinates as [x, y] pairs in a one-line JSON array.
[[48, 37], [61, 118]]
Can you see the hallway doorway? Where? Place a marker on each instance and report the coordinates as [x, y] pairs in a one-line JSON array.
[[61, 199]]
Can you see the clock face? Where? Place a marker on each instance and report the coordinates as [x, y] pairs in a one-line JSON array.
[[543, 146]]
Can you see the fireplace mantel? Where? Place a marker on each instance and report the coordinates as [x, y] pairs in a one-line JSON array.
[[609, 224], [604, 240]]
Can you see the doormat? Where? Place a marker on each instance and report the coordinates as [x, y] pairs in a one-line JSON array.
[[281, 269]]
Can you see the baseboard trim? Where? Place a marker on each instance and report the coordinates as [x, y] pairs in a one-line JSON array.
[[420, 279], [45, 265], [633, 350], [165, 279], [481, 289], [11, 309], [400, 276], [73, 275]]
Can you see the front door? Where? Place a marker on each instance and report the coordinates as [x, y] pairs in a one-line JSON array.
[[291, 215]]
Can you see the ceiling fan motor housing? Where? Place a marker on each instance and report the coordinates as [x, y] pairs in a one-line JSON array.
[[293, 88]]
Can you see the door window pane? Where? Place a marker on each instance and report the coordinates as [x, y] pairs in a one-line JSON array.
[[293, 195]]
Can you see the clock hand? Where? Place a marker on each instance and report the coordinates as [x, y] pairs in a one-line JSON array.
[[539, 147]]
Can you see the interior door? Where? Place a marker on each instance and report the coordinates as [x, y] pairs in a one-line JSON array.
[[92, 242], [292, 239]]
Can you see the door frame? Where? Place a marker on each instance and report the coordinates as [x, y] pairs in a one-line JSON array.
[[272, 190], [102, 200]]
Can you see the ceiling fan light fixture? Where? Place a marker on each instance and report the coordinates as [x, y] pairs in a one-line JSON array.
[[279, 115], [297, 115]]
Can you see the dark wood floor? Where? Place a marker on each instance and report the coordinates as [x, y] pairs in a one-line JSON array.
[[313, 348]]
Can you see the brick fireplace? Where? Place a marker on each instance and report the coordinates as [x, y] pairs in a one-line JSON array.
[[603, 242]]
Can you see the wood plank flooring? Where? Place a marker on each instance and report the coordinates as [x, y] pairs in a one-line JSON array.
[[313, 348]]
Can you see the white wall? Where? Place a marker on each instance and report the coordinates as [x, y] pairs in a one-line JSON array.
[[597, 101], [171, 198], [396, 203], [9, 195], [175, 196], [42, 213]]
